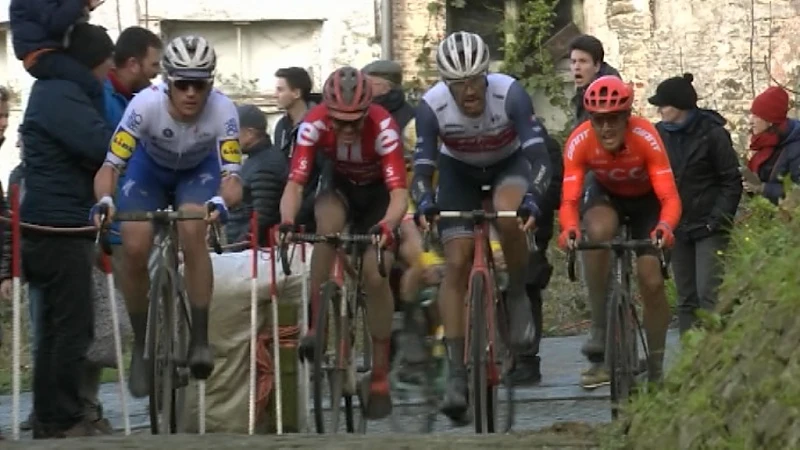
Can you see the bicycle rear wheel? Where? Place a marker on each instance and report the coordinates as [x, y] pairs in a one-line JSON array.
[[328, 295], [621, 341], [480, 395]]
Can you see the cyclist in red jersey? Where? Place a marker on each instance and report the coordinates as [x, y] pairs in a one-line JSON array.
[[366, 189], [633, 182]]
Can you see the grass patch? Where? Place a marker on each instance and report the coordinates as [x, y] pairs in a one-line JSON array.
[[735, 384]]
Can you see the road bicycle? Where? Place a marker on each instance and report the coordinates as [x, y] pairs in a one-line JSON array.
[[342, 312], [624, 335], [168, 319], [487, 361]]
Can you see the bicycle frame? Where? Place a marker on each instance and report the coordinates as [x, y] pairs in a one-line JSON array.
[[167, 297], [492, 311], [622, 324]]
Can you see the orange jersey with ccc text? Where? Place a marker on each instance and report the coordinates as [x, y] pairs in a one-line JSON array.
[[640, 166]]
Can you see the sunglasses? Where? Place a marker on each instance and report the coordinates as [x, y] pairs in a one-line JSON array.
[[475, 82], [609, 120], [198, 85], [341, 124]]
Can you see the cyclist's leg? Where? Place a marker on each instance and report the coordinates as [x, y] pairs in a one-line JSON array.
[[193, 189], [510, 185], [460, 190], [602, 222], [143, 189], [644, 215], [330, 211], [367, 207]]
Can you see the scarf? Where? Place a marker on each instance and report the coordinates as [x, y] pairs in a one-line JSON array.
[[764, 145]]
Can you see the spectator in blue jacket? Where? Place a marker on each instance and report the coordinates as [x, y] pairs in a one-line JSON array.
[[40, 33], [137, 60], [65, 141], [775, 145]]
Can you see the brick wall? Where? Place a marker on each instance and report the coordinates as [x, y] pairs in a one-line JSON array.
[[413, 20]]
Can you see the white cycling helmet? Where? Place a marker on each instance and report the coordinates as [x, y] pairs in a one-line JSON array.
[[462, 55], [189, 58]]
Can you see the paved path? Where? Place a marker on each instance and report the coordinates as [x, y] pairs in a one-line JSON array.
[[557, 399]]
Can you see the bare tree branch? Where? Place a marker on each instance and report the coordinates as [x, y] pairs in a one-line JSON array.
[[781, 85]]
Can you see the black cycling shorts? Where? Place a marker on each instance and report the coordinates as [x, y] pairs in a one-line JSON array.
[[640, 213]]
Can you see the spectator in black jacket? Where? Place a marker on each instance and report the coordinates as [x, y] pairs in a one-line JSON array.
[[65, 140], [263, 174], [293, 89], [527, 368], [706, 171]]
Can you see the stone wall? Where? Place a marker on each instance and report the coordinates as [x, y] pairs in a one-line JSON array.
[[650, 40], [716, 40]]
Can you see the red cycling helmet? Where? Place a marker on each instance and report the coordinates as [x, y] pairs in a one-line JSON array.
[[347, 94], [608, 94]]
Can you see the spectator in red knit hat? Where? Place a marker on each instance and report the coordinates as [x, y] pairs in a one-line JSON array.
[[774, 144]]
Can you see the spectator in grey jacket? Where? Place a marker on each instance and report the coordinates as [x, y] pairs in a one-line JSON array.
[[263, 174]]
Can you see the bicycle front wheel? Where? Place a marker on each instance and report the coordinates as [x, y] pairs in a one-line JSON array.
[[621, 342], [160, 350], [480, 398]]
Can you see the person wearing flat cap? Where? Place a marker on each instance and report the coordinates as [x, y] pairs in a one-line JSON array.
[[706, 170], [264, 175]]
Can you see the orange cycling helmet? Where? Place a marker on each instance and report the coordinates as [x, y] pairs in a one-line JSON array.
[[347, 94], [608, 94]]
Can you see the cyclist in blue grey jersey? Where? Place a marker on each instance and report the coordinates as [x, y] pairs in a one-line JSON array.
[[489, 136]]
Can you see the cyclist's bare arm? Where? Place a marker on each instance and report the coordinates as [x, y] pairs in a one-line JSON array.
[[105, 181], [300, 168]]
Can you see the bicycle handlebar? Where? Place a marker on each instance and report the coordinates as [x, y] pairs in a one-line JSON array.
[[478, 216], [159, 216], [618, 245], [335, 239]]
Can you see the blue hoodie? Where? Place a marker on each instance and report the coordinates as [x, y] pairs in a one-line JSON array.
[[786, 163]]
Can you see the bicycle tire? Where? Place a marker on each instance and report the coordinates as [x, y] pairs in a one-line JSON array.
[[360, 355], [478, 372], [318, 375], [402, 396], [503, 337], [181, 356], [161, 405], [619, 346]]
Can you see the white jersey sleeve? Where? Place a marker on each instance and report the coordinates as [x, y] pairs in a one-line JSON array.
[[132, 128], [230, 152]]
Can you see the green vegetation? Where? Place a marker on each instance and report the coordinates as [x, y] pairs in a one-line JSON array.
[[735, 384]]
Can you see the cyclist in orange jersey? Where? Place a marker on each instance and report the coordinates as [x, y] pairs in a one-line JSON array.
[[633, 182]]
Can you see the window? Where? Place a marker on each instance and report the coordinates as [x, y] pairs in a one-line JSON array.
[[486, 18], [249, 53]]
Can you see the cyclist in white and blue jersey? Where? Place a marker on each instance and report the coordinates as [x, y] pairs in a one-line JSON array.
[[179, 144], [489, 136]]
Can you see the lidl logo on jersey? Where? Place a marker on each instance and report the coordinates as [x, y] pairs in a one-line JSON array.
[[123, 144], [231, 151]]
